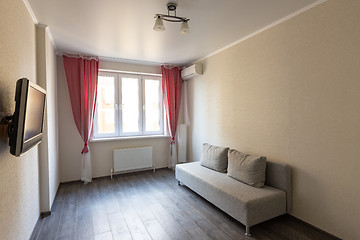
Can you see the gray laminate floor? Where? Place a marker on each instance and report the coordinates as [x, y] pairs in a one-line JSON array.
[[149, 205]]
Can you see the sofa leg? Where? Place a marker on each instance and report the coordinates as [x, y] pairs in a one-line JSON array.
[[247, 233], [179, 183]]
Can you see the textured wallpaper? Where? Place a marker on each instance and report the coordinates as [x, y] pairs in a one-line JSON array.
[[291, 93], [19, 182]]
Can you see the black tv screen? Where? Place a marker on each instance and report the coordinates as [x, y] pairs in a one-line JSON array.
[[27, 121]]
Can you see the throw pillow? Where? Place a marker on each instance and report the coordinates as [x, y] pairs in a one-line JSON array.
[[246, 168], [214, 157]]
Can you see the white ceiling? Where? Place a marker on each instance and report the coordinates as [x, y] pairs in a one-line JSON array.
[[123, 29]]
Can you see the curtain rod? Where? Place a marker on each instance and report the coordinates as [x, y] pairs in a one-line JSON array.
[[75, 55], [111, 59], [129, 72], [114, 59]]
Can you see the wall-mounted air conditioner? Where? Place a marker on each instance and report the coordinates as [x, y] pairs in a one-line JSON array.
[[192, 71]]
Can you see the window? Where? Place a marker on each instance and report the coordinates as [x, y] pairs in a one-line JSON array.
[[128, 105]]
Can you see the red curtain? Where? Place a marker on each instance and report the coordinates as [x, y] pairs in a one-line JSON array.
[[171, 87], [82, 78]]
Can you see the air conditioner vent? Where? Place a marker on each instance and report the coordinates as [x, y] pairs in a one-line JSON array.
[[192, 71]]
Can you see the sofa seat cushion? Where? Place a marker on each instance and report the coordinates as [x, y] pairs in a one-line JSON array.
[[245, 203]]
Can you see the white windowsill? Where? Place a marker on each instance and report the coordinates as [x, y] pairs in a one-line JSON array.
[[128, 138]]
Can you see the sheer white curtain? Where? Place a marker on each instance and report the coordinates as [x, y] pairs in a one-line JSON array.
[[86, 172]]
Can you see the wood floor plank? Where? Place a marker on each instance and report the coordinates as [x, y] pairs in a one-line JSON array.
[[60, 195], [105, 185], [122, 236], [100, 221], [178, 214], [93, 188], [123, 201], [128, 186], [84, 226], [116, 183], [87, 237], [170, 225], [150, 205], [135, 225], [103, 236], [66, 231], [216, 216], [69, 211], [144, 212], [83, 199], [37, 230], [111, 203], [198, 234], [233, 232], [168, 202], [50, 225], [68, 215], [207, 227], [118, 226], [155, 230]]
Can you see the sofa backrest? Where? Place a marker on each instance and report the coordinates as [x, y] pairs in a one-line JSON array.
[[278, 175]]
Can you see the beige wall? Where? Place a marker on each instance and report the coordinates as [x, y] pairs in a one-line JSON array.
[[52, 111], [70, 142], [48, 148], [19, 176], [292, 93]]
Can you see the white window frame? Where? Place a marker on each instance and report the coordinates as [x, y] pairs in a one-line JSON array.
[[138, 77], [95, 133], [161, 131], [118, 133]]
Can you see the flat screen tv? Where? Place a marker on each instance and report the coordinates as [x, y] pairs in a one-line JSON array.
[[26, 128]]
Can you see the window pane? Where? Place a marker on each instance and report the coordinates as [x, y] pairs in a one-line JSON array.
[[106, 105], [152, 106], [130, 104]]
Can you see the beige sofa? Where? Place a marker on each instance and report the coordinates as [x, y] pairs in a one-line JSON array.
[[247, 204]]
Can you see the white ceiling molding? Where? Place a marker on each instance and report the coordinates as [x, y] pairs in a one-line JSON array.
[[263, 29], [36, 22], [31, 12], [51, 38]]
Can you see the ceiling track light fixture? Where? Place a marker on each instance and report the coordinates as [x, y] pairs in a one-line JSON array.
[[171, 7]]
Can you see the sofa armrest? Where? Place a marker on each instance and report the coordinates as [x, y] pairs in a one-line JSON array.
[[279, 176]]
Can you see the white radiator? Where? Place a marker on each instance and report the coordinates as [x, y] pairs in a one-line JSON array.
[[132, 159]]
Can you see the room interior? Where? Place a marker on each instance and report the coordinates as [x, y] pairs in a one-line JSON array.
[[279, 79]]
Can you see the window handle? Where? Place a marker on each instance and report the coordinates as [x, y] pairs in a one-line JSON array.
[[117, 106]]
